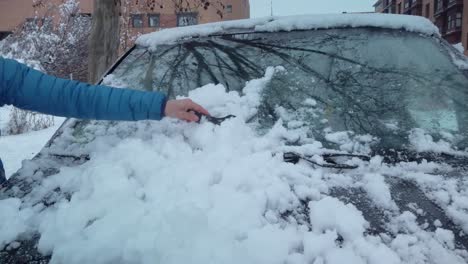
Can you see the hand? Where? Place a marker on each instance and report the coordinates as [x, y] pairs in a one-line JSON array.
[[180, 109]]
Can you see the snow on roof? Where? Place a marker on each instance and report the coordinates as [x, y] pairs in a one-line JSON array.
[[305, 22]]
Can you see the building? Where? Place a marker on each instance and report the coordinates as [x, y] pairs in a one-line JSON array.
[[450, 16], [140, 16], [145, 18]]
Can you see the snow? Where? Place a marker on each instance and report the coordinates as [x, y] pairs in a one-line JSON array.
[[424, 142], [344, 218], [16, 148], [460, 61], [176, 192], [307, 22], [4, 117], [458, 57], [14, 52], [459, 47], [378, 191], [347, 141], [15, 219]]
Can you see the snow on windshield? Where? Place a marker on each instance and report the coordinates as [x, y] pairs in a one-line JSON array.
[[307, 22], [174, 192]]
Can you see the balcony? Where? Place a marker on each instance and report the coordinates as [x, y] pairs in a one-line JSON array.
[[413, 7], [454, 3], [388, 3], [416, 3], [440, 8], [457, 30], [389, 6]]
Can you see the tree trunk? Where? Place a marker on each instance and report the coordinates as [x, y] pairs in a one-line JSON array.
[[104, 39]]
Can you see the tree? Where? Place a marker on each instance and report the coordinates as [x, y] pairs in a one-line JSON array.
[[111, 27], [54, 48], [59, 47], [54, 42], [104, 39]]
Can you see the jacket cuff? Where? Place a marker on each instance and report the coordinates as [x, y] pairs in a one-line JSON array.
[[156, 106], [163, 106]]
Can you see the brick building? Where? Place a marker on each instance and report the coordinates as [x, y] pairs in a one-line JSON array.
[[142, 16], [450, 16]]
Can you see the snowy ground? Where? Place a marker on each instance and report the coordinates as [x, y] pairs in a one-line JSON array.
[[173, 192], [15, 149]]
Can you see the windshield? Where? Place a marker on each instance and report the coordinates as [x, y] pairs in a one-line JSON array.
[[382, 84]]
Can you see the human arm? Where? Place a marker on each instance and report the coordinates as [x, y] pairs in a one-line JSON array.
[[32, 90]]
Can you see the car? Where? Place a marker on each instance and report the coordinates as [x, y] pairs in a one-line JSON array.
[[333, 139]]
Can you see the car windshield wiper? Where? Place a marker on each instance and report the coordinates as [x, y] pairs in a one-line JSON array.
[[212, 119], [405, 155], [329, 158]]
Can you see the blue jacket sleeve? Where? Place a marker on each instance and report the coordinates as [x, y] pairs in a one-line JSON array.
[[32, 90]]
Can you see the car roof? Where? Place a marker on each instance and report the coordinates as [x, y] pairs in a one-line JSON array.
[[415, 24]]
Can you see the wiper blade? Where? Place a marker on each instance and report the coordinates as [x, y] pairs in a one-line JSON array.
[[212, 119], [404, 155], [294, 158]]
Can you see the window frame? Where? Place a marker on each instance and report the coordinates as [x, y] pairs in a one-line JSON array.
[[133, 17], [150, 16], [193, 15], [449, 22], [458, 20]]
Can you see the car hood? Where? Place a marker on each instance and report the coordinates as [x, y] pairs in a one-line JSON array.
[[170, 191]]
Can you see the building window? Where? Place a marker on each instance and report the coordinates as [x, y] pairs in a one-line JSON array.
[[458, 20], [187, 19], [137, 21], [439, 5], [450, 22], [454, 21], [153, 20], [428, 8], [407, 4], [229, 9], [399, 8]]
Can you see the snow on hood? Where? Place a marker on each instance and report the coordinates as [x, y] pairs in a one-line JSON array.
[[174, 192], [306, 22]]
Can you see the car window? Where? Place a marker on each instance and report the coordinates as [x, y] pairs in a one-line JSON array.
[[368, 81]]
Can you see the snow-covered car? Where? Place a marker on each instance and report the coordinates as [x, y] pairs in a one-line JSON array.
[[348, 145]]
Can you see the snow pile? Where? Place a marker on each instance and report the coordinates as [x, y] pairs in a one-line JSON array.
[[458, 58], [13, 220], [174, 192], [423, 142], [23, 134], [459, 47], [274, 24], [16, 148]]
